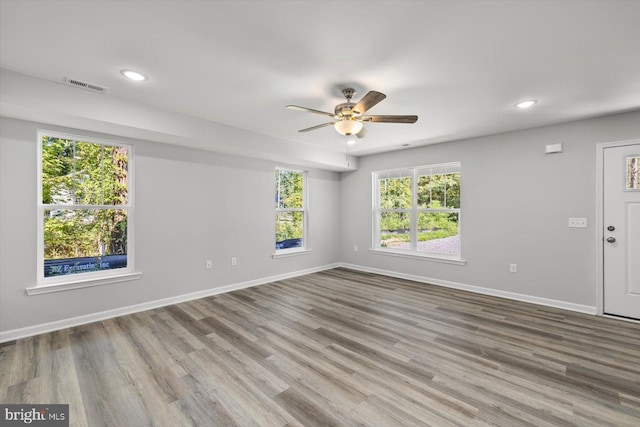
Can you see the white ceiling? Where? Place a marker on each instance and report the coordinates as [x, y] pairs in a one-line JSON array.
[[459, 65]]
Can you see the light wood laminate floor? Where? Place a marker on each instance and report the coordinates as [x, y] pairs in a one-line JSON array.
[[336, 348]]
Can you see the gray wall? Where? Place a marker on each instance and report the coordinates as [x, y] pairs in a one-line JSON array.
[[515, 208], [191, 206], [516, 203]]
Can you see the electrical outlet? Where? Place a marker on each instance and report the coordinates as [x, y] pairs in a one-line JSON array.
[[355, 248], [209, 264], [513, 268], [234, 261]]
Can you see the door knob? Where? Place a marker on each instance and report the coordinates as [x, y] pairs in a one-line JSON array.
[[611, 228], [611, 239]]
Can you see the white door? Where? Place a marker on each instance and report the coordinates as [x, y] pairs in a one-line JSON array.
[[621, 232]]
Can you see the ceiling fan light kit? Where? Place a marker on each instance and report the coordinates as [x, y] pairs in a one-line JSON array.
[[349, 116], [348, 127]]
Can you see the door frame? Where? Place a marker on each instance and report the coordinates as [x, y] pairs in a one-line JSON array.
[[599, 234]]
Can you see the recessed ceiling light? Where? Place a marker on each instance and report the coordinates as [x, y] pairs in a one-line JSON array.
[[133, 75], [526, 104], [351, 142]]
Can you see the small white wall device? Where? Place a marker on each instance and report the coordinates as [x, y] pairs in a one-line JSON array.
[[553, 148]]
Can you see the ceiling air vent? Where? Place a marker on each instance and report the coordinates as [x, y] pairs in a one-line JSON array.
[[85, 85]]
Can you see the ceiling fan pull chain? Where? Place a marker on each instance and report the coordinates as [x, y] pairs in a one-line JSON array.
[[347, 156]]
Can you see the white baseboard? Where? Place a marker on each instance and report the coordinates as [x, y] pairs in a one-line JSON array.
[[477, 289], [29, 331]]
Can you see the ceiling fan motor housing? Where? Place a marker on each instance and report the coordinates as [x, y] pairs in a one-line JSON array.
[[344, 109]]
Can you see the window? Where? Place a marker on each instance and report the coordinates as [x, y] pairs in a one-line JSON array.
[[417, 210], [291, 211], [633, 173], [84, 209]]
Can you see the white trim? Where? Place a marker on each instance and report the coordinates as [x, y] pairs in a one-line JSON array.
[[84, 283], [599, 216], [284, 253], [477, 289], [626, 319], [417, 255], [599, 235], [28, 331]]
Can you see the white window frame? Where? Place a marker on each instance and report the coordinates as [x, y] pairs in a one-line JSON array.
[[414, 210], [82, 280], [304, 249]]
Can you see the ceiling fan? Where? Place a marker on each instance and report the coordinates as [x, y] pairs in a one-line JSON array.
[[349, 118]]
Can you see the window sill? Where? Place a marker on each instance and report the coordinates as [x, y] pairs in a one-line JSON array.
[[292, 252], [78, 284], [426, 257]]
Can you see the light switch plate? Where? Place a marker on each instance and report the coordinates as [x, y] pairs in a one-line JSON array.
[[553, 148], [577, 222]]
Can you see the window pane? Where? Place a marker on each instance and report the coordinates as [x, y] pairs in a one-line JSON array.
[[438, 232], [88, 175], [633, 173], [116, 175], [288, 189], [395, 230], [453, 190], [439, 191], [101, 174], [83, 173], [57, 171], [395, 193], [289, 230], [84, 240]]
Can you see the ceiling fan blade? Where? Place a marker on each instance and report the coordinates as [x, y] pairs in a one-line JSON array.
[[368, 101], [390, 119], [317, 127], [310, 110]]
